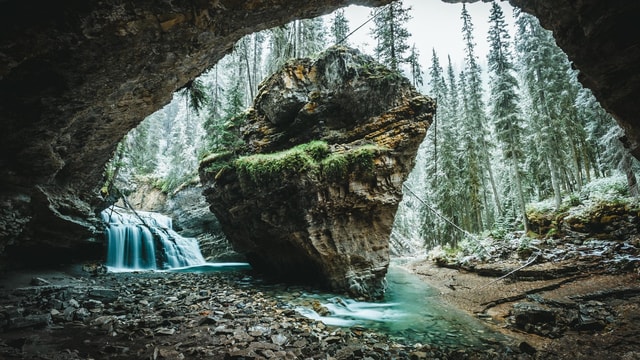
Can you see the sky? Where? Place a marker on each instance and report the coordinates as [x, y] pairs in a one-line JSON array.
[[434, 25]]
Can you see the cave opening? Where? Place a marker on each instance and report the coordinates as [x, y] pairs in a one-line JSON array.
[[51, 177]]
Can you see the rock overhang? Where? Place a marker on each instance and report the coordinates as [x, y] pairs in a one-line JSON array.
[[76, 78]]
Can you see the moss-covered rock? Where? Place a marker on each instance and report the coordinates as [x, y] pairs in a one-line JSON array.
[[597, 218], [327, 146]]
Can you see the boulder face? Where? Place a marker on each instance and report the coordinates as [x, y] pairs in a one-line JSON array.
[[327, 146]]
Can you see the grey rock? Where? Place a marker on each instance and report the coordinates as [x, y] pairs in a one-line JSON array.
[[28, 321]]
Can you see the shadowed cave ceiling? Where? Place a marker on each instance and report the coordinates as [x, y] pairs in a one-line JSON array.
[[76, 76]]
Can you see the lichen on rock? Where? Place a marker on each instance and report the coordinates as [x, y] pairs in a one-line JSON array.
[[313, 193]]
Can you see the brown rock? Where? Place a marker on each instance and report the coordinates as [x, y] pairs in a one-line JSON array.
[[321, 211]]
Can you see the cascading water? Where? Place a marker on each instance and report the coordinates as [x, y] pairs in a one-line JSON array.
[[146, 241]]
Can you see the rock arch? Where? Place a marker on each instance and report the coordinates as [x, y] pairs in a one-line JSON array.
[[78, 75]]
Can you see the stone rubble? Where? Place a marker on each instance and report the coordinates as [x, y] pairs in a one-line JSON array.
[[186, 316]]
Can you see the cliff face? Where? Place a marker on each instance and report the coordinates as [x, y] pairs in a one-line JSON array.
[[328, 145], [76, 76]]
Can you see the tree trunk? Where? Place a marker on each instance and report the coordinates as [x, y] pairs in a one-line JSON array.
[[555, 183], [632, 182]]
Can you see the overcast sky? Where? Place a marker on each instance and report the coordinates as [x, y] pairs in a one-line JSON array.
[[434, 25]]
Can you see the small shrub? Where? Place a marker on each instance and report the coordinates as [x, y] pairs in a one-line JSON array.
[[335, 166], [574, 200], [318, 150], [609, 187], [363, 157]]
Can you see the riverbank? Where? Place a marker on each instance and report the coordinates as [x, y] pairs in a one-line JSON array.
[[68, 314], [568, 300], [573, 302]]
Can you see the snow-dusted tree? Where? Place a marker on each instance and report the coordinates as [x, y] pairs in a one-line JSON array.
[[504, 108], [416, 69], [475, 135], [300, 38], [339, 28], [391, 34], [551, 88]]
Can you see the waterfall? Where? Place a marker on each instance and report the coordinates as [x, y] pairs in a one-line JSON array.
[[149, 245]]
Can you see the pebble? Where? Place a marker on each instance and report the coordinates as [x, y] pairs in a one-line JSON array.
[[184, 316]]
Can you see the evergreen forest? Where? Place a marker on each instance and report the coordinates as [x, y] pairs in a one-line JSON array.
[[513, 132]]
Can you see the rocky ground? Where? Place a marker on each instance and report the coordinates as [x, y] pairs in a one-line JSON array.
[[568, 299], [571, 301], [69, 314]]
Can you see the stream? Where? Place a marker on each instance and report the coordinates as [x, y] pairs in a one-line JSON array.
[[410, 313]]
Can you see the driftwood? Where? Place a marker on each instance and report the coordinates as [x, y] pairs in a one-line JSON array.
[[508, 299], [619, 293]]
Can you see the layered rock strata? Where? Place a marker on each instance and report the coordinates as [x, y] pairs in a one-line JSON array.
[[327, 146]]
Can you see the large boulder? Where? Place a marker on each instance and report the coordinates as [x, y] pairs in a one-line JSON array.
[[327, 146]]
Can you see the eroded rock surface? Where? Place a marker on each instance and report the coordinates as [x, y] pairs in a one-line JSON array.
[[321, 210]]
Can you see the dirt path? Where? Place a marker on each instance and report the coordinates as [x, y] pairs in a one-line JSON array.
[[574, 309]]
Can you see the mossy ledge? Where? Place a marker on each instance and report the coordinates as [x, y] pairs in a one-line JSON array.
[[315, 159]]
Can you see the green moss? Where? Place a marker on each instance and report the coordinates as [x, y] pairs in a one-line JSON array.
[[265, 168], [363, 157], [335, 166], [313, 157], [359, 160], [318, 150], [214, 163]]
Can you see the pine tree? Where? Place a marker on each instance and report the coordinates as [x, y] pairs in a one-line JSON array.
[[620, 157], [597, 125], [195, 94], [391, 34], [416, 70], [340, 28], [504, 103], [552, 89], [300, 38], [444, 172], [476, 134]]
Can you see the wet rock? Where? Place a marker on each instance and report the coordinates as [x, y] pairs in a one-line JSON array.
[[36, 320], [418, 355], [527, 348], [152, 320], [104, 295], [94, 269], [279, 339], [165, 331]]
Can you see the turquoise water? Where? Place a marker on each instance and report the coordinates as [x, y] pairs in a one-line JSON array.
[[410, 313]]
